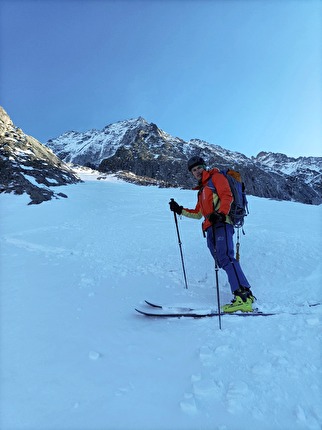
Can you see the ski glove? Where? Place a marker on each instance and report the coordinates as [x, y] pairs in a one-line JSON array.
[[216, 217], [174, 207]]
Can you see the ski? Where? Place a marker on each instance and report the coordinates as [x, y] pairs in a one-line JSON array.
[[182, 308], [195, 313], [186, 309]]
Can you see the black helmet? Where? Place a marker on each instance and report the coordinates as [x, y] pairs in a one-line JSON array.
[[195, 161]]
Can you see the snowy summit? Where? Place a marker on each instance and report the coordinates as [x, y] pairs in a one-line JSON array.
[[143, 149]]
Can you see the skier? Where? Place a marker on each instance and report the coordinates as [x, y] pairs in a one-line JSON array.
[[218, 229]]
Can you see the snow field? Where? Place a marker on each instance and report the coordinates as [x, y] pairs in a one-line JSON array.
[[75, 355]]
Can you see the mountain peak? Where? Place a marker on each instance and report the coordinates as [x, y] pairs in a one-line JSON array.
[[145, 150]]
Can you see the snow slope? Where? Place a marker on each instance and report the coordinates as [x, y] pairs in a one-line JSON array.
[[75, 355]]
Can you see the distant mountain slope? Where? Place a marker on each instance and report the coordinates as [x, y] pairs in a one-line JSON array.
[[27, 166], [306, 169], [141, 148]]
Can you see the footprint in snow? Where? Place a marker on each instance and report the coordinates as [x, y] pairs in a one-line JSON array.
[[207, 387], [188, 404], [237, 396]]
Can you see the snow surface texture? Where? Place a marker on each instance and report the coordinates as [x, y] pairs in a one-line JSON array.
[[75, 355]]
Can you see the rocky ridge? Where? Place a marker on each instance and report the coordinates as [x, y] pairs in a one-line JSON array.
[[141, 152], [27, 166]]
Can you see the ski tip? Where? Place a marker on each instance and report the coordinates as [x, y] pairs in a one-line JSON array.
[[153, 304], [148, 314]]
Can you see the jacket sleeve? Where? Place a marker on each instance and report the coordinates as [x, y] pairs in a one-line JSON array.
[[192, 213], [224, 193]]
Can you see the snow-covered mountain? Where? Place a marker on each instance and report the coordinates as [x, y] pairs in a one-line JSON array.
[[143, 149], [308, 169], [27, 166]]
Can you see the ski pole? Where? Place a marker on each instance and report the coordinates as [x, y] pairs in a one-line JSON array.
[[217, 281], [237, 246], [218, 299], [180, 247]]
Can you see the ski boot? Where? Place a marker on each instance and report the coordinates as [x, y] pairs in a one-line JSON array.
[[242, 301]]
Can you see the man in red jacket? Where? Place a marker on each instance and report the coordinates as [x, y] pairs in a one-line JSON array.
[[218, 228]]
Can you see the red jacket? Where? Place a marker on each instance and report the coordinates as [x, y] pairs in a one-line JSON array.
[[209, 201]]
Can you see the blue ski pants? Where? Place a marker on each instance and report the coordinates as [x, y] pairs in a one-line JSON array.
[[221, 245]]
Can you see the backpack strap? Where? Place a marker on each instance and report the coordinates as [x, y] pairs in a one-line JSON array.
[[211, 185]]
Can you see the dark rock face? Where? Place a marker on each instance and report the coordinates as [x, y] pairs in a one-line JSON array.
[[301, 170], [27, 166], [144, 151]]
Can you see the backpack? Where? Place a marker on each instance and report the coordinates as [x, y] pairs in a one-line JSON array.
[[239, 206]]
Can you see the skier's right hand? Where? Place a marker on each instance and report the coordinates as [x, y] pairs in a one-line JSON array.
[[216, 217], [175, 207]]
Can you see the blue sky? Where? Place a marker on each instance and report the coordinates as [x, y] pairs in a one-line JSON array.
[[245, 75]]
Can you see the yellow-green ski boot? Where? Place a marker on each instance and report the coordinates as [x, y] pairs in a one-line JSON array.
[[242, 301]]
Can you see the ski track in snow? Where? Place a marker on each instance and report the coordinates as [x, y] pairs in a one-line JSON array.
[[75, 355]]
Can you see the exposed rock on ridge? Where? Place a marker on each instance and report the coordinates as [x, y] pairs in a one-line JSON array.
[[143, 149], [27, 166]]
